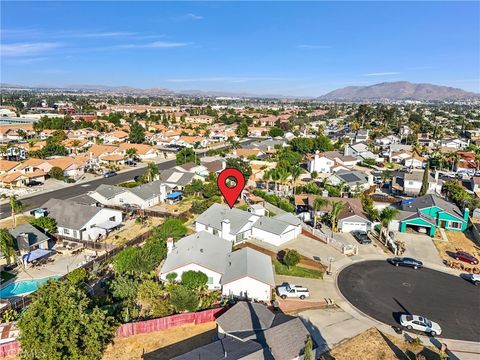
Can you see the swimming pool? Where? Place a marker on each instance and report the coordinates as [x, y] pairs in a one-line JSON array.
[[23, 287]]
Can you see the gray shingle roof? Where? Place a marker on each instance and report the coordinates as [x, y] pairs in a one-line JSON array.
[[288, 218], [246, 316], [248, 262], [34, 236], [202, 248], [432, 200], [175, 177], [216, 213], [271, 225], [144, 191], [233, 348], [69, 214]]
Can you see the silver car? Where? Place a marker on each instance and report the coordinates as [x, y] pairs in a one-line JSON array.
[[420, 323]]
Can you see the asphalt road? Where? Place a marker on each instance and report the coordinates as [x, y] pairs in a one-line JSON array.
[[36, 201], [384, 292]]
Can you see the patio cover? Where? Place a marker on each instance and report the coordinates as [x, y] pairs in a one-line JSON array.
[[108, 225], [174, 195], [35, 255]]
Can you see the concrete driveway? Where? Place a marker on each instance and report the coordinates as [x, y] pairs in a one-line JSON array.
[[365, 249], [420, 247]]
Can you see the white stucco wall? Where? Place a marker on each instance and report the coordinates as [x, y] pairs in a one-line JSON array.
[[253, 288], [214, 277]]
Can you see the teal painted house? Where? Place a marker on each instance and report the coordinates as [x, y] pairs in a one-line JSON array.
[[432, 212]]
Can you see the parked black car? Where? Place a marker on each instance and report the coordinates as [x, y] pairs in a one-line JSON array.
[[405, 261], [361, 236], [109, 174]]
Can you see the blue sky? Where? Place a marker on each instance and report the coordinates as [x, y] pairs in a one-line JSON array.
[[292, 48]]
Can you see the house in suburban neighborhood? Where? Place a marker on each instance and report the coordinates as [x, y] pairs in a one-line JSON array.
[[82, 222], [177, 179], [143, 196], [351, 218], [432, 212], [353, 179], [409, 183], [29, 238], [244, 273], [237, 225], [250, 331]]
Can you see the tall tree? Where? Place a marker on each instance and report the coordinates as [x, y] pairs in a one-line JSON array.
[[295, 173], [62, 323], [337, 207], [308, 351], [16, 207], [426, 175], [318, 203], [386, 217], [7, 245], [137, 133], [151, 173]]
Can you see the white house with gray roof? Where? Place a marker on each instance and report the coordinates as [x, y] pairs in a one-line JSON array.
[[237, 225], [82, 222], [245, 273], [143, 196]]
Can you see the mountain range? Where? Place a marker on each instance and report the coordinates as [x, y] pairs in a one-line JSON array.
[[396, 91], [399, 90]]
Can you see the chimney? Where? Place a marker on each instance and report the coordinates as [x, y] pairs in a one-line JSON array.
[[163, 192], [170, 245], [225, 228]]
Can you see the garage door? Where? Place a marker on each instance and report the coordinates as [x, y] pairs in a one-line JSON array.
[[348, 226]]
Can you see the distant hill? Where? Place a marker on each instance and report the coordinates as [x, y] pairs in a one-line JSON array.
[[400, 90]]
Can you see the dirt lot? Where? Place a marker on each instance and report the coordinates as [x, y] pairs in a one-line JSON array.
[[304, 261], [161, 344], [132, 229], [373, 345], [457, 241], [21, 219]]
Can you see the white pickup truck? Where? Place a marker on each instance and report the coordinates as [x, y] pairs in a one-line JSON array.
[[292, 291]]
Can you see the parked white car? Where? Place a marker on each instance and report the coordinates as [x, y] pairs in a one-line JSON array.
[[474, 278], [420, 323], [292, 291]]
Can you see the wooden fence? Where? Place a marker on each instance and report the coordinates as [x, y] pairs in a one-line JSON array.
[[12, 348]]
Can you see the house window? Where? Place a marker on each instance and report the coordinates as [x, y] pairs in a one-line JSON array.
[[112, 218], [215, 232], [455, 225], [75, 233], [239, 237], [210, 280], [66, 231]]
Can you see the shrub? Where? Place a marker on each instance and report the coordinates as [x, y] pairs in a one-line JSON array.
[[194, 279], [291, 258], [56, 173], [183, 299]]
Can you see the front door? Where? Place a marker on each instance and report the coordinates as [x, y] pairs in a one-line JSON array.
[[443, 224]]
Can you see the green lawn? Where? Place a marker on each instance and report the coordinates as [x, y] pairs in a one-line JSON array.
[[5, 275], [299, 271]]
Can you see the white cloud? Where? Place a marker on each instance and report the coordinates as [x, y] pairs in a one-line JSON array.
[[312, 46], [22, 49], [388, 73], [186, 17], [154, 45]]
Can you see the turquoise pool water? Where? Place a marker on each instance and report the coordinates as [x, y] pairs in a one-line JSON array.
[[18, 288]]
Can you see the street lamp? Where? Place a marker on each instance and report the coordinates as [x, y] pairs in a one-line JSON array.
[[331, 259]]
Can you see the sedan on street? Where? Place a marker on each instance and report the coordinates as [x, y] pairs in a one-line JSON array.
[[405, 261], [466, 257], [420, 323]]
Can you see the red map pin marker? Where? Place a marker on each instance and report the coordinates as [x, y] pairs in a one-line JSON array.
[[231, 194]]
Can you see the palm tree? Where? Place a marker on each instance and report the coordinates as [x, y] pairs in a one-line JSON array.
[[386, 217], [295, 172], [16, 207], [7, 244], [266, 177], [275, 177], [131, 153], [337, 207], [318, 203], [283, 175], [151, 173]]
